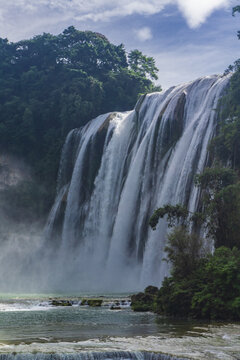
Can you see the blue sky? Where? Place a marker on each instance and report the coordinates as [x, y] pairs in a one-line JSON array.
[[187, 38]]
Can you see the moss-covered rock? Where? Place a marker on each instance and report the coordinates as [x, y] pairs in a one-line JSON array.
[[56, 302], [144, 301], [94, 302], [84, 302], [115, 307]]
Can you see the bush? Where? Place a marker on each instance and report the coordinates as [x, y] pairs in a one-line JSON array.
[[219, 295], [184, 251], [211, 291]]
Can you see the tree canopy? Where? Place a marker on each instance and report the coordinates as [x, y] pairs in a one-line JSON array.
[[53, 83]]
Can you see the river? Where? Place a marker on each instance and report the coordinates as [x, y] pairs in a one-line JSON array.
[[30, 327]]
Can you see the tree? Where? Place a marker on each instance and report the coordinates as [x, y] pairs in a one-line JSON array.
[[210, 291], [91, 52], [176, 214], [51, 84], [220, 208], [218, 296], [184, 250], [235, 9], [142, 65], [221, 205]]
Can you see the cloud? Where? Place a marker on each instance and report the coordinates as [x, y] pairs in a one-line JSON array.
[[197, 11], [144, 33], [194, 11]]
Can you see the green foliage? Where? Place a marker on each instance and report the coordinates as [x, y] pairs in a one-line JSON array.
[[224, 212], [94, 302], [215, 179], [220, 213], [221, 205], [184, 251], [52, 84], [235, 9], [203, 285], [175, 214], [226, 145], [174, 297], [219, 294], [210, 291], [142, 65], [144, 301]]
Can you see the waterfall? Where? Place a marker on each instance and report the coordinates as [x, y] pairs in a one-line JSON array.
[[115, 172], [114, 355]]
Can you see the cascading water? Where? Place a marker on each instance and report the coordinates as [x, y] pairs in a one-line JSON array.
[[117, 355], [116, 171]]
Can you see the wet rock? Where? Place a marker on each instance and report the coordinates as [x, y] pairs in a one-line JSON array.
[[144, 301], [115, 307], [94, 302], [142, 298], [56, 302], [84, 302]]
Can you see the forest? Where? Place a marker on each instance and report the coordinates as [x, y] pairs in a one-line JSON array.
[[50, 85]]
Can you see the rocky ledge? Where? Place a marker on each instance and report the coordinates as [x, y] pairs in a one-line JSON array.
[[112, 304]]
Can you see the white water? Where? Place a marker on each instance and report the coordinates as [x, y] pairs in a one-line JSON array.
[[32, 329], [115, 172]]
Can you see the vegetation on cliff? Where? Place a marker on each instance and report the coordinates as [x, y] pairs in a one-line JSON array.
[[210, 291], [204, 283]]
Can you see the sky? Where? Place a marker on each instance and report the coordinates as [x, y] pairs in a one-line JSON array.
[[187, 38]]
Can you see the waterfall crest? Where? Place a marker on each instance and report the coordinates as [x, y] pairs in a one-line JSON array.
[[114, 355], [116, 171]]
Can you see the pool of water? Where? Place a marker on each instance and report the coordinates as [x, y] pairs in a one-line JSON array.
[[29, 324]]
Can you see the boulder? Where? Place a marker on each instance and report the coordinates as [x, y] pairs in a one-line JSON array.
[[56, 302], [84, 302], [144, 301], [142, 298], [115, 307], [94, 302]]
